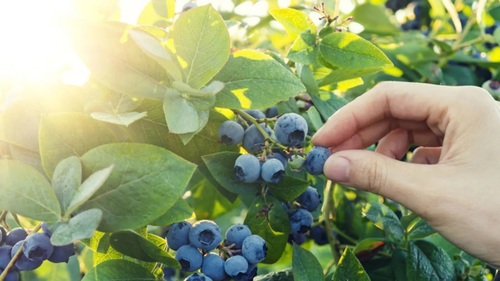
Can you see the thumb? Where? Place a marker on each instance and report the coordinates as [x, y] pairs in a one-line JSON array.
[[377, 173]]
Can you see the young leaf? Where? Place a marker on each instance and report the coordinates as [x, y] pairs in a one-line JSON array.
[[67, 134], [304, 49], [427, 261], [270, 221], [255, 80], [153, 177], [350, 268], [153, 48], [24, 191], [305, 266], [134, 245], [88, 188], [419, 229], [294, 21], [349, 51], [118, 270], [200, 39], [66, 179], [81, 226], [182, 117], [384, 218]]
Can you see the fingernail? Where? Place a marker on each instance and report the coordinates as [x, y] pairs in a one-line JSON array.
[[337, 169]]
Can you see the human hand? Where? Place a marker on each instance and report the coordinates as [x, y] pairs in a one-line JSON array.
[[453, 180]]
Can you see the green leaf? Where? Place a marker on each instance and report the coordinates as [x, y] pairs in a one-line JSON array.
[[81, 226], [328, 104], [304, 49], [315, 118], [157, 12], [178, 212], [349, 268], [255, 80], [305, 266], [118, 270], [288, 189], [181, 115], [427, 261], [348, 51], [368, 248], [153, 48], [398, 263], [384, 218], [201, 42], [419, 229], [70, 134], [66, 180], [24, 191], [125, 118], [146, 182], [88, 188], [294, 21], [221, 167], [115, 60], [270, 221], [282, 275], [134, 245]]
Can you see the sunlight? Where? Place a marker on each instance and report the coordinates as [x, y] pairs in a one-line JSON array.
[[34, 48]]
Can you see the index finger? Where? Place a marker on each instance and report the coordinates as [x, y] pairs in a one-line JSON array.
[[401, 103]]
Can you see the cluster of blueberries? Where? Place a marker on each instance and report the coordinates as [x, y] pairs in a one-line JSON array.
[[290, 131], [238, 256], [36, 248], [300, 214]]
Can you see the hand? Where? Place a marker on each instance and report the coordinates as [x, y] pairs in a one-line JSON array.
[[453, 181]]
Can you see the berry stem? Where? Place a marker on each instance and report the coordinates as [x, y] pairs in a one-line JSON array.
[[328, 211], [3, 220]]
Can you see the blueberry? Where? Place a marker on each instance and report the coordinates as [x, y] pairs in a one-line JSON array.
[[198, 277], [271, 112], [205, 235], [318, 235], [189, 257], [3, 235], [5, 256], [230, 132], [291, 129], [300, 221], [37, 246], [315, 160], [15, 235], [255, 113], [23, 262], [11, 276], [272, 171], [236, 234], [253, 140], [62, 253], [249, 275], [46, 230], [236, 265], [309, 199], [213, 267], [254, 249], [297, 238], [280, 155], [168, 273], [247, 168], [188, 6], [178, 235], [493, 87]]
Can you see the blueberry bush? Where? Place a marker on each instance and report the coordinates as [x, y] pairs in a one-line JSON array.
[[187, 153]]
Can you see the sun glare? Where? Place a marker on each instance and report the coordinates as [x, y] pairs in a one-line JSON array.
[[33, 46]]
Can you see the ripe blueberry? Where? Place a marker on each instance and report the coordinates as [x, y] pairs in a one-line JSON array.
[[62, 253], [315, 160], [309, 199], [300, 221], [247, 168], [15, 235], [236, 234], [3, 235], [254, 249], [253, 140], [178, 235], [198, 277], [189, 257], [23, 262], [205, 235], [230, 132], [236, 265], [213, 267], [291, 129], [272, 171], [37, 246]]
